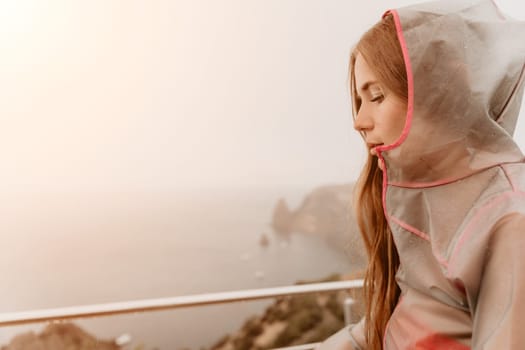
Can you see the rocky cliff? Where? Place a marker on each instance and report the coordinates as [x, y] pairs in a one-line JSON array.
[[59, 336], [326, 212], [294, 320]]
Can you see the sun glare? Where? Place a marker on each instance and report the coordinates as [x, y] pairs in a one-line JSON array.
[[16, 16]]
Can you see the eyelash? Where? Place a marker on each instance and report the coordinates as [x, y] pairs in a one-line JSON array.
[[377, 98]]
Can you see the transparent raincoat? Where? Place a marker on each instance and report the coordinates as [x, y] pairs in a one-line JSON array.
[[454, 184]]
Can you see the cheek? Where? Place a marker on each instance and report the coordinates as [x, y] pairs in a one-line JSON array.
[[396, 123], [400, 122]]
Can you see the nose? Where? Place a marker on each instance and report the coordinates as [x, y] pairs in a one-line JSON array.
[[363, 122]]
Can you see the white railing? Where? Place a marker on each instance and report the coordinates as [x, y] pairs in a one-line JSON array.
[[66, 313], [108, 309]]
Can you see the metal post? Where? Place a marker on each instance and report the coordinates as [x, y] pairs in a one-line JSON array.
[[349, 313]]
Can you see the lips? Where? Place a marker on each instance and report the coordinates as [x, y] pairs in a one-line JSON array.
[[372, 144]]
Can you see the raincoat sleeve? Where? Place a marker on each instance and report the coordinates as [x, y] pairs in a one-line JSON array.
[[499, 315], [349, 338]]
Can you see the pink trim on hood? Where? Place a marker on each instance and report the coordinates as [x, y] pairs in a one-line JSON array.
[[444, 181], [410, 103], [410, 82]]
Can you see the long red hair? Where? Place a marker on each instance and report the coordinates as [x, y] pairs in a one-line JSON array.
[[381, 49]]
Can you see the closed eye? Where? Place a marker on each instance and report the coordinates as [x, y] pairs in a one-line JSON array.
[[377, 98]]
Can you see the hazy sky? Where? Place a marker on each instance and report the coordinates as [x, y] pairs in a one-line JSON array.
[[164, 94]]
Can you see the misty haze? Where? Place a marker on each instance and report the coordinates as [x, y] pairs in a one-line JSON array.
[[157, 149]]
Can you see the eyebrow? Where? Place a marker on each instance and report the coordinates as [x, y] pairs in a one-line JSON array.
[[366, 85]]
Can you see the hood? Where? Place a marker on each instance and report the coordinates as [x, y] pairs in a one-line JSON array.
[[465, 64]]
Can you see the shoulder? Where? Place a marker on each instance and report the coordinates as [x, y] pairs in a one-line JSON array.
[[496, 216]]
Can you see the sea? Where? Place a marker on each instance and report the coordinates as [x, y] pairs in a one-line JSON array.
[[71, 248]]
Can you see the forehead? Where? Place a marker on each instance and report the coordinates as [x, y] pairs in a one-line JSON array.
[[363, 73]]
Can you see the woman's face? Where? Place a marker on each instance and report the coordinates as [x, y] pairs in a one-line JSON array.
[[380, 115]]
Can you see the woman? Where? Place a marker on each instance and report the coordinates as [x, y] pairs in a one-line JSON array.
[[436, 89]]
